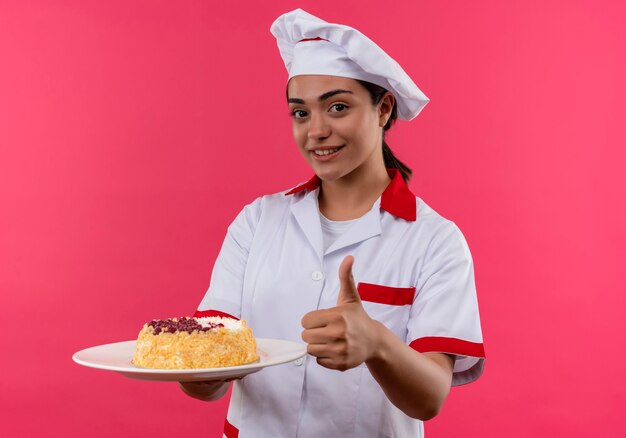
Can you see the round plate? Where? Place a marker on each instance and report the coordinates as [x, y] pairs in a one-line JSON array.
[[117, 357]]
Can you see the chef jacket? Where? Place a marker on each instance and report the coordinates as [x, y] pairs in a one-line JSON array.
[[414, 274]]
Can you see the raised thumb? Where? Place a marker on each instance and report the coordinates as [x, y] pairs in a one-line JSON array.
[[347, 289]]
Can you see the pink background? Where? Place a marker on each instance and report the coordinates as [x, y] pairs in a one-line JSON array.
[[132, 132]]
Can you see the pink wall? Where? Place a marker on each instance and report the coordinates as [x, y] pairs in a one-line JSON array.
[[131, 133]]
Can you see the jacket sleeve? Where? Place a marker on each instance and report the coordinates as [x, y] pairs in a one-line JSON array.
[[223, 297], [444, 315]]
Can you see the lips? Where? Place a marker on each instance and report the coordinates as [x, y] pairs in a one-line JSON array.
[[326, 152]]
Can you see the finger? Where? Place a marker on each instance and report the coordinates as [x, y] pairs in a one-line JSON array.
[[347, 289], [332, 364], [336, 352], [316, 319], [320, 335], [319, 350], [204, 385]]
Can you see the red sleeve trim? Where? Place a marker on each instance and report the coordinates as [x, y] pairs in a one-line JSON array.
[[448, 345], [378, 293], [230, 431], [205, 313]]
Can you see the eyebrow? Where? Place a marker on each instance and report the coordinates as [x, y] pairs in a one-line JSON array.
[[322, 98]]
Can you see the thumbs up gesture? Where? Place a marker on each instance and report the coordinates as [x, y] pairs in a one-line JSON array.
[[343, 336], [348, 292]]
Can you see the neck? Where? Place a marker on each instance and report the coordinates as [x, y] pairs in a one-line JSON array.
[[352, 195]]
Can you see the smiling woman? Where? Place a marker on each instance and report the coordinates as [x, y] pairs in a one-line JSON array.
[[377, 93], [337, 129], [375, 282]]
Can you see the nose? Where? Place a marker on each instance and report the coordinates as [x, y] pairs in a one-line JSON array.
[[318, 127]]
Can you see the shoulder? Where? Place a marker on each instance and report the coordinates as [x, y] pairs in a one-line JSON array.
[[443, 233], [426, 212], [427, 217], [436, 230], [272, 202]]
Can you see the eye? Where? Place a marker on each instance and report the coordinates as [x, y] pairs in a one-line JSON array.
[[340, 107], [298, 114]]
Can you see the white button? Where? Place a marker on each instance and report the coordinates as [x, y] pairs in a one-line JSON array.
[[298, 362], [317, 275]]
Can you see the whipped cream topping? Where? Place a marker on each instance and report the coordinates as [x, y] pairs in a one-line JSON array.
[[229, 323]]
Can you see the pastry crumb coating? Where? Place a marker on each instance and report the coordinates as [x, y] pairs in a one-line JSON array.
[[218, 347]]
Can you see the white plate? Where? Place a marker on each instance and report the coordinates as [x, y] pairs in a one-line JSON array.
[[117, 357]]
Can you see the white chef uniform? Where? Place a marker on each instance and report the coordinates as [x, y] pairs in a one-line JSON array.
[[414, 274], [412, 267]]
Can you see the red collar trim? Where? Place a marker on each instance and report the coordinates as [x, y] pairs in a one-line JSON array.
[[311, 184], [397, 199]]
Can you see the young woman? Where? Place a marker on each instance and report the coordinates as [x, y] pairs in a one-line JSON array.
[[377, 284]]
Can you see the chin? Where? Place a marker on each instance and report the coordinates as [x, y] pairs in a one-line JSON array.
[[328, 174], [333, 173]]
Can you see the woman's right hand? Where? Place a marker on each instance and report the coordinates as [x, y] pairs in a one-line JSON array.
[[210, 390]]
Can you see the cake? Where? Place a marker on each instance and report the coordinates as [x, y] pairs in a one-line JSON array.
[[186, 342]]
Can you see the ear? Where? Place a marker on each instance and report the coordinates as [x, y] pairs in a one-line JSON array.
[[385, 106]]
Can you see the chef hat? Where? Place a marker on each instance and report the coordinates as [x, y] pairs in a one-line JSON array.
[[311, 46]]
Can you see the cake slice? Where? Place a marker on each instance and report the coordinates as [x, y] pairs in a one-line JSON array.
[[185, 342]]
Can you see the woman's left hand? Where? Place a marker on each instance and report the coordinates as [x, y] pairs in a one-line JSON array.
[[344, 336]]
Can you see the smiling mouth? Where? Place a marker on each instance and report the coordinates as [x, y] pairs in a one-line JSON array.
[[322, 152]]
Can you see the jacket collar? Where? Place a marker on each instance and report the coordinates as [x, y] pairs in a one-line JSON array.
[[397, 199]]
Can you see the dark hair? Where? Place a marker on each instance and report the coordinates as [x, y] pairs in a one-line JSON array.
[[376, 93]]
